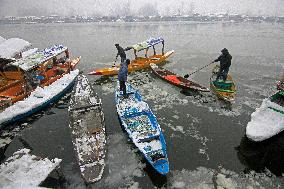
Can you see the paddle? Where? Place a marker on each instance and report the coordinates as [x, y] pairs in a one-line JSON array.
[[187, 75]]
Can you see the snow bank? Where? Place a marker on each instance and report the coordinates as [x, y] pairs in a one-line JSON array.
[[10, 47], [24, 169], [38, 97], [265, 122]]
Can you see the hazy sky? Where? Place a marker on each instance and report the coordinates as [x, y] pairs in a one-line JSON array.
[[139, 7]]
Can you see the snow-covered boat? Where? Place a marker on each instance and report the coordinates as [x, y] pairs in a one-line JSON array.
[[88, 130], [143, 129], [268, 120], [38, 99], [24, 170], [30, 84]]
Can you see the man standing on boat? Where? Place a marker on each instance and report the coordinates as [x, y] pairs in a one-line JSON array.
[[122, 76], [225, 63], [120, 52]]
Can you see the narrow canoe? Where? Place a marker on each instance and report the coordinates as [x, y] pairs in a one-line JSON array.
[[224, 90], [143, 129], [176, 79], [136, 64], [88, 130]]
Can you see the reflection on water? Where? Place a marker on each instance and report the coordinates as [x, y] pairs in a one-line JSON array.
[[261, 155]]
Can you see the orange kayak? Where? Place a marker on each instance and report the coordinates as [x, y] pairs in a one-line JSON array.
[[136, 64]]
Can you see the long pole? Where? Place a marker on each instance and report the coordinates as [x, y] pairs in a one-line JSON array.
[[187, 75]]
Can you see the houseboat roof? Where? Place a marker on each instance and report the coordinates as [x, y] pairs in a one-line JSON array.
[[10, 47], [148, 43], [39, 57]]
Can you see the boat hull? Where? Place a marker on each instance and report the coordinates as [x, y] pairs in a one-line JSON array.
[[268, 120], [87, 130], [177, 80], [143, 129], [226, 95], [24, 108], [136, 64]]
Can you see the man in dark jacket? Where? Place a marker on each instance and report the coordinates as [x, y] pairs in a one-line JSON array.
[[120, 52], [122, 76], [225, 63]]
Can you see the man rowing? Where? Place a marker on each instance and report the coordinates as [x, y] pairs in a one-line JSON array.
[[225, 63]]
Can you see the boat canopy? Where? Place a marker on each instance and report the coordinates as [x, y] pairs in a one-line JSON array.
[[11, 47], [40, 57], [148, 43]]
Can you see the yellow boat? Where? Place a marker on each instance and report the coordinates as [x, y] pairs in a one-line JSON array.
[[139, 62], [224, 90]]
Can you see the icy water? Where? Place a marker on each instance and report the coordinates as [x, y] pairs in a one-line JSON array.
[[205, 137]]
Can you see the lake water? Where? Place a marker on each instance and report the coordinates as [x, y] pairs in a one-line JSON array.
[[203, 135]]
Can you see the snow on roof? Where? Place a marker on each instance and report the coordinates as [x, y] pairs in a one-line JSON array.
[[148, 43], [39, 57], [24, 169], [10, 47], [1, 39], [29, 52]]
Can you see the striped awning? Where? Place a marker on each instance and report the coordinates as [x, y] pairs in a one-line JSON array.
[[148, 43]]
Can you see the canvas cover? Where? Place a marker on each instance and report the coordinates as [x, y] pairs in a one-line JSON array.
[[148, 43]]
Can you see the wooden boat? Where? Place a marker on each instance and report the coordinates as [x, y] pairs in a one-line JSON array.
[[22, 79], [88, 130], [224, 90], [268, 119], [177, 80], [139, 62], [143, 129]]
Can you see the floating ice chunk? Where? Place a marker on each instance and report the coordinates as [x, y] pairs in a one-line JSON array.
[[224, 182], [178, 185]]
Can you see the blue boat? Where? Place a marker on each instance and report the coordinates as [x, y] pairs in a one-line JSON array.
[[143, 129]]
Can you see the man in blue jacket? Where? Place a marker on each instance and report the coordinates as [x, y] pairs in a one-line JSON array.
[[225, 63], [122, 76]]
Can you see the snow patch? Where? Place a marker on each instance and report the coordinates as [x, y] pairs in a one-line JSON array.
[[25, 169], [10, 47], [265, 122]]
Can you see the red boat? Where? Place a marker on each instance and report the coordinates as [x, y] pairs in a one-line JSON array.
[[177, 80]]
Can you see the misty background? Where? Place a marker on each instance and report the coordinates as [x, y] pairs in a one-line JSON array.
[[140, 7]]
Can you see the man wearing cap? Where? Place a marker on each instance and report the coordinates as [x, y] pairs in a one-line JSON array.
[[120, 52], [122, 76], [225, 63]]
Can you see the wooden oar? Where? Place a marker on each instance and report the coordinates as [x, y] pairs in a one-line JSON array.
[[187, 75]]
